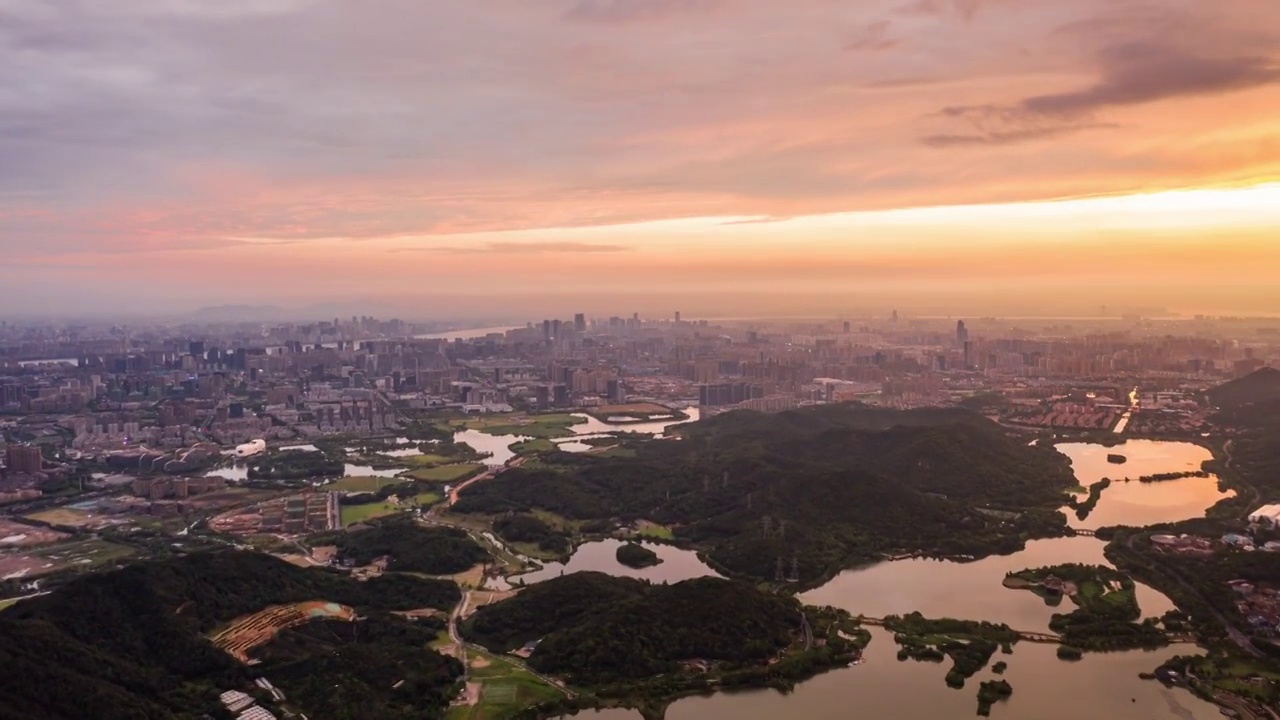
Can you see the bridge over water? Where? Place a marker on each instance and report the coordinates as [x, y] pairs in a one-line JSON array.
[[1035, 637]]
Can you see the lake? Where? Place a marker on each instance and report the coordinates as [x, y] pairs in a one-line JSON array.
[[1045, 688], [971, 591], [1138, 504], [1104, 686], [499, 446], [600, 556]]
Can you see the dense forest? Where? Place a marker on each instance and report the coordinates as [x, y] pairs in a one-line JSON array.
[[353, 671], [828, 486], [130, 643], [598, 629], [637, 556], [410, 546], [521, 528], [294, 465]]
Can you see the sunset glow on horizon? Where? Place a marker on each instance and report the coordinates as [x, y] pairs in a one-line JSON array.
[[938, 151]]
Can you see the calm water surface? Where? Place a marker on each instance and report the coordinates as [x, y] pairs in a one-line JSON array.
[[1135, 503], [1101, 686], [972, 591], [601, 556]]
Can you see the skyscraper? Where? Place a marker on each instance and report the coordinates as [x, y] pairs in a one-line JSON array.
[[962, 334], [580, 322]]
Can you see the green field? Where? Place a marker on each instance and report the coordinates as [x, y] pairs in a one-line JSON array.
[[447, 474], [352, 514], [426, 460], [536, 426], [427, 499], [85, 554], [505, 690], [533, 447], [360, 484], [657, 532]]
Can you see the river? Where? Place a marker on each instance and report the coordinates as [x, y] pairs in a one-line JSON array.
[[1045, 688]]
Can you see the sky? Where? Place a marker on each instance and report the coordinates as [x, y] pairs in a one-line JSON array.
[[469, 158]]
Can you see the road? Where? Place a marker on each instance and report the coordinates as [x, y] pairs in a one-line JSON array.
[[1239, 638], [1228, 449], [486, 475], [463, 646]]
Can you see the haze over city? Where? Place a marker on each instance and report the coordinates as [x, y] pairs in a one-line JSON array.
[[724, 157]]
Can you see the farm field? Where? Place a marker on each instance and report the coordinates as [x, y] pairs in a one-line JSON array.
[[504, 689], [446, 474], [248, 632]]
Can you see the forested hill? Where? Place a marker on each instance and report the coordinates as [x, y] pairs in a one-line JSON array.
[[837, 416], [824, 487], [130, 644], [1259, 386], [600, 629]]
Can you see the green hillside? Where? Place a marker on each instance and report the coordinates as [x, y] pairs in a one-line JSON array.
[[130, 644], [827, 486]]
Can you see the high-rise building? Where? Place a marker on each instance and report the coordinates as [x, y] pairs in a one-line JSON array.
[[677, 316], [580, 323], [962, 334], [846, 326], [24, 459]]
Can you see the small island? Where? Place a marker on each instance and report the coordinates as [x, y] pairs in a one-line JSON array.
[[969, 644], [991, 691], [1117, 459], [1106, 615], [637, 556]]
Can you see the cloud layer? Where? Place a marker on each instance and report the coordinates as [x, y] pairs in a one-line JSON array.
[[159, 126]]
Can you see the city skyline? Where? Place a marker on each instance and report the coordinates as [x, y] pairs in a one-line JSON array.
[[710, 154]]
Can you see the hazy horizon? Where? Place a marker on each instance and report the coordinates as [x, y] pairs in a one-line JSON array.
[[718, 157]]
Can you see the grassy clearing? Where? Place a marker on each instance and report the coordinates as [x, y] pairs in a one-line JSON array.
[[537, 426], [352, 514], [658, 532], [425, 461], [360, 484], [533, 447], [85, 554], [448, 474], [66, 517], [505, 689], [559, 522], [427, 499], [616, 452]]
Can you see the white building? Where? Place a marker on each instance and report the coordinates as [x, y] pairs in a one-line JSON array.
[[251, 448]]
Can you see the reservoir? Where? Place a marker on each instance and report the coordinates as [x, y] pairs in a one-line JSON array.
[[601, 556], [1135, 503], [1102, 685]]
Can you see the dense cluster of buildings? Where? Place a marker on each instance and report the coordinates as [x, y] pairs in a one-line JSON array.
[[174, 397]]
